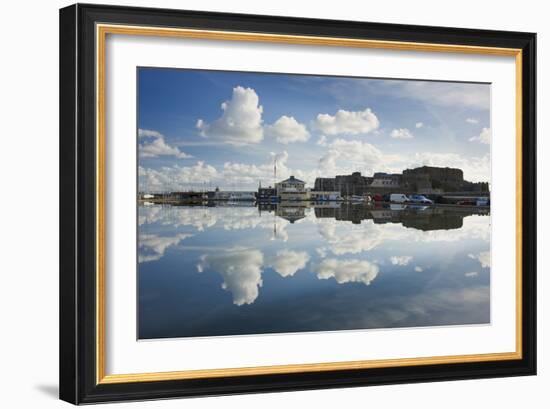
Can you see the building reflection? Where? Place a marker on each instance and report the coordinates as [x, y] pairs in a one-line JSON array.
[[290, 211], [424, 218], [419, 217]]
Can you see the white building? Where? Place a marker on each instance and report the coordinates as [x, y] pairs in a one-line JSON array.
[[292, 189]]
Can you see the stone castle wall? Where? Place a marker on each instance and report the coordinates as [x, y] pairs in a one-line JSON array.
[[425, 179]]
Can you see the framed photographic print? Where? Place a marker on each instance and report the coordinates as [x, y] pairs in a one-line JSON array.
[[258, 203]]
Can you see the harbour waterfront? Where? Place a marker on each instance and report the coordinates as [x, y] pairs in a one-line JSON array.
[[424, 185], [238, 268]]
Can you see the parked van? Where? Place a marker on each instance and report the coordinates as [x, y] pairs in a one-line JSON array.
[[399, 198]]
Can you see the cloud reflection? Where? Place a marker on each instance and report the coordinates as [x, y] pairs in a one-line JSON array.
[[176, 217], [484, 258], [241, 270], [152, 246], [343, 238], [287, 262], [347, 271]]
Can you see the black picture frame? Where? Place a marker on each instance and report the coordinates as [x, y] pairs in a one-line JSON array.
[[78, 313]]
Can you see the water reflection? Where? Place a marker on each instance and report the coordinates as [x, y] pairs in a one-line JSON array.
[[241, 269], [347, 271], [417, 217]]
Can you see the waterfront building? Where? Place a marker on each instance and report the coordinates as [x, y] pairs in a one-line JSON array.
[[384, 180], [423, 180], [347, 185], [431, 179], [292, 189], [234, 196], [267, 194], [324, 184]]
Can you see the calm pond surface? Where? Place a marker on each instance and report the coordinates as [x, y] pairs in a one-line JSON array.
[[229, 270]]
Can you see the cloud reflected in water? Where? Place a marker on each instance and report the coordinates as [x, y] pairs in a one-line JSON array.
[[288, 262], [347, 271], [152, 246], [241, 270], [484, 258]]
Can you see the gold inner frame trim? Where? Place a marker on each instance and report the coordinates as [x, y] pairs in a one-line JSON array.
[[101, 33]]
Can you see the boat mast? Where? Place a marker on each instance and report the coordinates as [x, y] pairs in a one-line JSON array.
[[274, 170]]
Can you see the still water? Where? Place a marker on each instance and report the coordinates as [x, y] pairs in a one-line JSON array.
[[242, 269]]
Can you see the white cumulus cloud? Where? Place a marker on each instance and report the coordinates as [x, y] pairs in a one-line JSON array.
[[149, 133], [401, 133], [419, 125], [236, 173], [400, 260], [155, 145], [484, 137], [472, 120], [356, 155], [241, 120], [344, 156], [232, 175], [441, 93], [175, 177], [347, 122], [287, 130], [321, 251]]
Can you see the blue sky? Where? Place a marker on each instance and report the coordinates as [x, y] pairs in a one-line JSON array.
[[199, 128]]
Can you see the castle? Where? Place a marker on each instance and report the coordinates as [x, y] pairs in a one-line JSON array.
[[425, 179]]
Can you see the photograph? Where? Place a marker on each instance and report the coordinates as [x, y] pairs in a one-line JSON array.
[[259, 200], [280, 203]]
